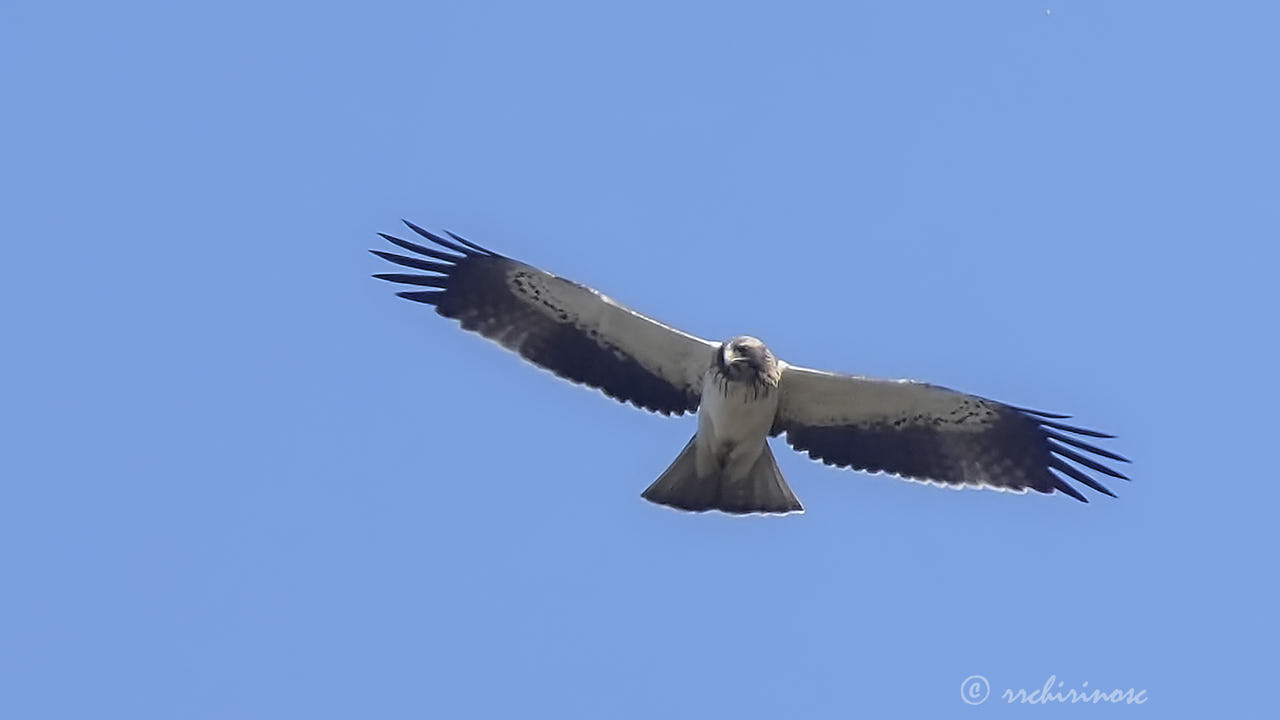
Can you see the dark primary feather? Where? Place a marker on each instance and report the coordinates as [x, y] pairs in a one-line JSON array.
[[1085, 446], [1015, 451], [413, 262], [476, 290], [409, 279]]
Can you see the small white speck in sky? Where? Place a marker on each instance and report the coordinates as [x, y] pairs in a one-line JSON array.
[[1047, 11]]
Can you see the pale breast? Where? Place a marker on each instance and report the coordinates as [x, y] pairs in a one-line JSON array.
[[735, 412]]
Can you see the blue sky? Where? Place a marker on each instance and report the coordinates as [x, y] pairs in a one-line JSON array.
[[244, 480]]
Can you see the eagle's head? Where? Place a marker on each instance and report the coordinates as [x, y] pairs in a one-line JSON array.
[[746, 359]]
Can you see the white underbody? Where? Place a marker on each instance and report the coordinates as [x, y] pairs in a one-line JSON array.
[[733, 424]]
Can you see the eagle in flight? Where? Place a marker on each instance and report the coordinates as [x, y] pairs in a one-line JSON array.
[[743, 394]]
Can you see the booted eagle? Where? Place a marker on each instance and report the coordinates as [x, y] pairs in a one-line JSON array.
[[743, 394]]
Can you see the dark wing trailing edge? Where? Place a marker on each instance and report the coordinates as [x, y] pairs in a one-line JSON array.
[[567, 328], [929, 433]]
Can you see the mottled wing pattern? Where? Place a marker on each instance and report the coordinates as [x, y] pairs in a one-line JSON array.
[[571, 330], [929, 433]]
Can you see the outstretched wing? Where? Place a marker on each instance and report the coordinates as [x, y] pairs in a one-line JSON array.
[[929, 433], [571, 330]]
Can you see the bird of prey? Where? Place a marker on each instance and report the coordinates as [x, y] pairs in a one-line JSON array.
[[742, 393]]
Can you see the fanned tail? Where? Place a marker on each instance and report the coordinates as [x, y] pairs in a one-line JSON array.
[[762, 490]]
